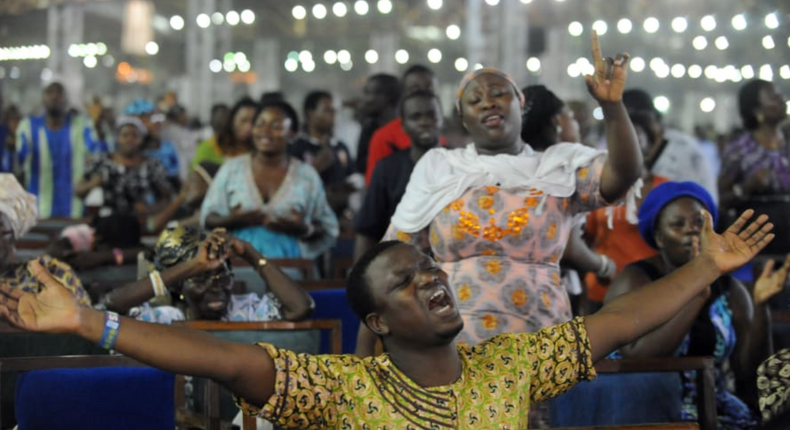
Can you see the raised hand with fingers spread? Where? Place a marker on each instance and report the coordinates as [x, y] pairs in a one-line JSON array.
[[737, 245]]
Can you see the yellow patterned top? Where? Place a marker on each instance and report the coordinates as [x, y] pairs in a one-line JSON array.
[[500, 379]]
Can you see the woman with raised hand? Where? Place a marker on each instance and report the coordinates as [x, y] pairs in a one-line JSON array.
[[425, 379], [497, 214]]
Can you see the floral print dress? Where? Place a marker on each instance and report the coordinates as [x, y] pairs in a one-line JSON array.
[[501, 250]]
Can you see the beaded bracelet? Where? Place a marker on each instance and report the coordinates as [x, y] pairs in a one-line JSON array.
[[112, 323]]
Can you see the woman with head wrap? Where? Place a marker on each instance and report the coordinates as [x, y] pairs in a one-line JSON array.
[[130, 181], [497, 214], [18, 214], [725, 321], [194, 268]]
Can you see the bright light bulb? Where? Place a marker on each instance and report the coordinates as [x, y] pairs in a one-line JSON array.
[[247, 16], [339, 9], [710, 71], [371, 56], [739, 22], [434, 55], [637, 64], [573, 71], [101, 48], [461, 64], [90, 61], [722, 43], [707, 104], [624, 26], [290, 65], [308, 66], [305, 56], [152, 48], [215, 65], [678, 70], [453, 32], [343, 56], [768, 42], [771, 21], [401, 56], [661, 103], [298, 12], [700, 43], [695, 71], [708, 23], [232, 18], [245, 67], [600, 27], [435, 4], [575, 28], [319, 12], [330, 57], [217, 18], [176, 22], [747, 72], [533, 64], [784, 72], [203, 20], [492, 2], [347, 66], [651, 25], [361, 7], [680, 24], [526, 1], [766, 73], [384, 6]]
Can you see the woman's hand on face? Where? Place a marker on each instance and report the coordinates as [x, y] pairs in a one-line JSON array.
[[738, 244], [607, 83], [53, 310], [213, 252], [771, 282]]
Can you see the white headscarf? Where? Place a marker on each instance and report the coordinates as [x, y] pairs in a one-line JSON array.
[[19, 206]]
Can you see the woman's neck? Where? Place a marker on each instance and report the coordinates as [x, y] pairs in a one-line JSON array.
[[513, 149], [128, 160], [268, 159], [769, 136]]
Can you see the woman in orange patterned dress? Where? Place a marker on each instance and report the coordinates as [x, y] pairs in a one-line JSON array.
[[497, 214]]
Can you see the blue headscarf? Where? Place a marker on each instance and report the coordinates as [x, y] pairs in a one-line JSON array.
[[139, 107], [665, 194]]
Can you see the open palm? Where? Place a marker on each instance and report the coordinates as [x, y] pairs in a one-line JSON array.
[[738, 244], [771, 282], [53, 310], [607, 83]]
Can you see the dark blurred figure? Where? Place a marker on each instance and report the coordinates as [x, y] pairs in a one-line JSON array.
[[378, 107]]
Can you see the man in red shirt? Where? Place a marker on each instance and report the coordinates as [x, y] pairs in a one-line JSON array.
[[391, 137]]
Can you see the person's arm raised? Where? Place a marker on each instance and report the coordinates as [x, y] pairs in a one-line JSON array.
[[246, 370], [624, 164], [633, 315]]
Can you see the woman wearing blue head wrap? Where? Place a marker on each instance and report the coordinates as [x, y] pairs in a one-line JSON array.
[[725, 322]]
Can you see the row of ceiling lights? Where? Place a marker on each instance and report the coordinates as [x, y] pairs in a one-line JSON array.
[[679, 24]]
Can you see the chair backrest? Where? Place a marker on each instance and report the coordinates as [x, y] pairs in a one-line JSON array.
[[90, 392], [304, 336], [637, 391]]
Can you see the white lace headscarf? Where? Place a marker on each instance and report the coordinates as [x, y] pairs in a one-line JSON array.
[[19, 206]]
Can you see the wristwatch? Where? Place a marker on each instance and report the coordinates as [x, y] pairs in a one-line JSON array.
[[262, 262]]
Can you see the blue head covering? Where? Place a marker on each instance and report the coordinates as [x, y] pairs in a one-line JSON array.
[[139, 107], [665, 194]]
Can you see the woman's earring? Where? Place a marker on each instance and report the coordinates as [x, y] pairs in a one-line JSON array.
[[760, 117], [559, 129]]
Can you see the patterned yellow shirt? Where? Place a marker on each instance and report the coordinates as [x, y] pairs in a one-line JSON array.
[[500, 378]]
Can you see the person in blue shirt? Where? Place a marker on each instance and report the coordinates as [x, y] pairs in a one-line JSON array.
[[155, 147], [51, 153]]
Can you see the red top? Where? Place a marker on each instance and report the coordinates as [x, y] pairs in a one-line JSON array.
[[388, 139], [623, 243]]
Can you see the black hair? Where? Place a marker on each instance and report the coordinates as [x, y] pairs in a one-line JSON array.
[[415, 94], [749, 101], [226, 136], [272, 95], [285, 107], [541, 106], [637, 100], [312, 100], [390, 85], [217, 107], [358, 285], [417, 68], [118, 230]]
